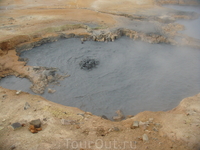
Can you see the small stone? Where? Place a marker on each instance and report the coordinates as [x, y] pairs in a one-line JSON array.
[[116, 129], [1, 128], [147, 123], [88, 113], [104, 117], [81, 114], [67, 122], [150, 119], [86, 131], [51, 91], [135, 125], [129, 116], [82, 40], [143, 125], [37, 123], [145, 138], [3, 120], [18, 92], [78, 127], [100, 131], [119, 117], [4, 96], [26, 106], [36, 67], [157, 124], [139, 138], [16, 126], [116, 118], [50, 79], [12, 147], [148, 131], [155, 129]]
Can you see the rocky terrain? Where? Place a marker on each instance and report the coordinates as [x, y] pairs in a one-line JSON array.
[[27, 24]]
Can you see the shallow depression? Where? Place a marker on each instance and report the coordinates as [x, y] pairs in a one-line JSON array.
[[132, 76]]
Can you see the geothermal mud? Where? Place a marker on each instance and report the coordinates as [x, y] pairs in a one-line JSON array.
[[191, 26], [131, 76]]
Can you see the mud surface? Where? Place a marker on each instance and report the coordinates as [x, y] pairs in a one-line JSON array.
[[131, 76], [26, 24], [191, 26]]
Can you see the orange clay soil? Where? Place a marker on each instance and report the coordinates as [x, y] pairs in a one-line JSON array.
[[28, 23]]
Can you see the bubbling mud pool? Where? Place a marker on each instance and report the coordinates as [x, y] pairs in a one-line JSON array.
[[131, 76]]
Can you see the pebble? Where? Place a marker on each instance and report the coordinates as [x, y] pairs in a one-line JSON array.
[[104, 117], [37, 123], [157, 124], [4, 96], [12, 147], [150, 119], [81, 114], [51, 91], [36, 67], [88, 113], [18, 92], [143, 125], [129, 116], [26, 106], [147, 123], [155, 129], [16, 126], [67, 122], [1, 128], [148, 131], [135, 125], [116, 129], [145, 137], [119, 117]]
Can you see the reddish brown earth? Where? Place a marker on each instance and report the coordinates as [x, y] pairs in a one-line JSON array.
[[25, 24]]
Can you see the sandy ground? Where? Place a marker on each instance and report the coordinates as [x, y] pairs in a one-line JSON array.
[[25, 24], [176, 129]]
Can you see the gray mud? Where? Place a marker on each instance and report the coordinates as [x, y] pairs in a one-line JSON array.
[[192, 27], [15, 83], [132, 76]]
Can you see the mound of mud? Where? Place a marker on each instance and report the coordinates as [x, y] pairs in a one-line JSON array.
[[88, 64]]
